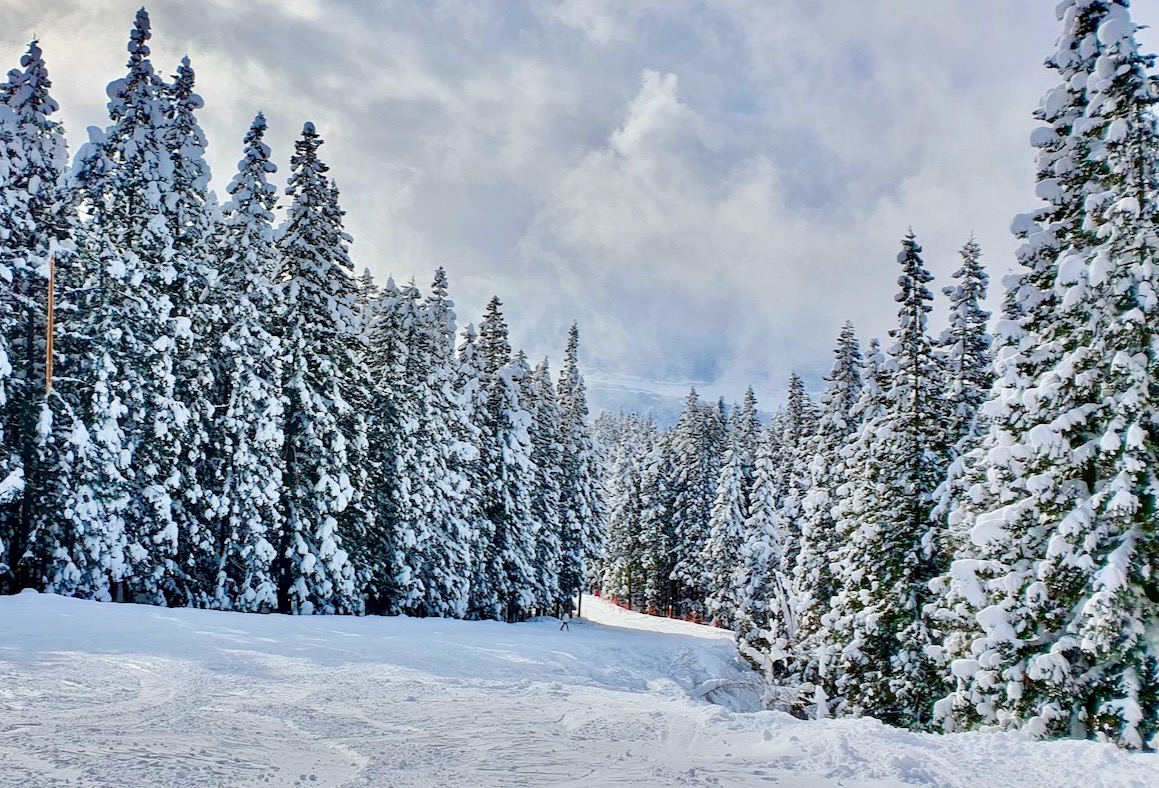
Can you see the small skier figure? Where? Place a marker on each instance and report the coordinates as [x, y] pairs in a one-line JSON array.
[[564, 625]]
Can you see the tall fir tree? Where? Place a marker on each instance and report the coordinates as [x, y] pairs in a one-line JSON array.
[[764, 595], [966, 343], [799, 428], [730, 510], [697, 467], [813, 582], [1047, 606], [582, 518], [38, 530], [969, 364], [444, 570], [245, 464], [887, 562], [194, 215], [321, 330], [471, 394], [658, 486], [391, 555], [126, 178], [547, 458], [625, 568], [505, 577]]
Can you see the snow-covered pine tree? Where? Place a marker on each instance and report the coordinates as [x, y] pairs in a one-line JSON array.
[[194, 215], [505, 577], [38, 218], [471, 394], [966, 343], [764, 601], [813, 581], [886, 563], [547, 457], [389, 556], [582, 517], [420, 563], [356, 521], [658, 487], [799, 428], [91, 557], [852, 498], [1047, 609], [321, 331], [624, 565], [969, 365], [246, 457], [696, 470], [11, 468], [445, 566], [126, 177], [730, 511], [368, 293], [767, 608], [992, 476]]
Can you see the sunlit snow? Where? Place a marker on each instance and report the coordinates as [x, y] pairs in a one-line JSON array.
[[111, 695]]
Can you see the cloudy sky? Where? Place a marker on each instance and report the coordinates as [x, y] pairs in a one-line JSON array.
[[710, 188]]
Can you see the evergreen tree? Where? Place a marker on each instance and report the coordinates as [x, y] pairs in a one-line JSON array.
[[505, 578], [696, 454], [246, 464], [444, 570], [547, 457], [813, 581], [625, 570], [658, 486], [38, 218], [321, 331], [11, 468], [797, 445], [764, 601], [194, 215], [887, 562], [471, 393], [966, 343], [966, 346], [126, 178], [1046, 608], [390, 556], [768, 626], [730, 511], [581, 499]]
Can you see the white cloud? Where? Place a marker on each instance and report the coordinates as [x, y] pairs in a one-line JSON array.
[[710, 187]]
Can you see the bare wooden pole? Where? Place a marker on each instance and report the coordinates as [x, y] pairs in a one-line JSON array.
[[51, 324]]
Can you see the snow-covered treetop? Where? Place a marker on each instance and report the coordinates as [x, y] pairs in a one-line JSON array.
[[189, 141], [27, 90], [135, 93], [252, 196], [249, 214], [493, 343], [572, 394], [915, 299], [844, 386], [442, 313], [37, 143]]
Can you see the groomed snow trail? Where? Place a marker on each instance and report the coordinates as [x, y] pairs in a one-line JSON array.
[[123, 695]]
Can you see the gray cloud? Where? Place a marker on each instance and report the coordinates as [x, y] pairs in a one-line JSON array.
[[711, 188]]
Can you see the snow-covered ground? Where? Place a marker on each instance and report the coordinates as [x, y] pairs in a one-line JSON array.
[[122, 695]]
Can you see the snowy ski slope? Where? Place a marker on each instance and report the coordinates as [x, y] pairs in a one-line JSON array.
[[122, 695]]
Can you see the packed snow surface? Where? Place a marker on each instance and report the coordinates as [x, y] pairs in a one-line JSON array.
[[117, 695]]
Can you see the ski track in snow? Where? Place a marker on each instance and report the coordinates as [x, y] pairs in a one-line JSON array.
[[123, 695]]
